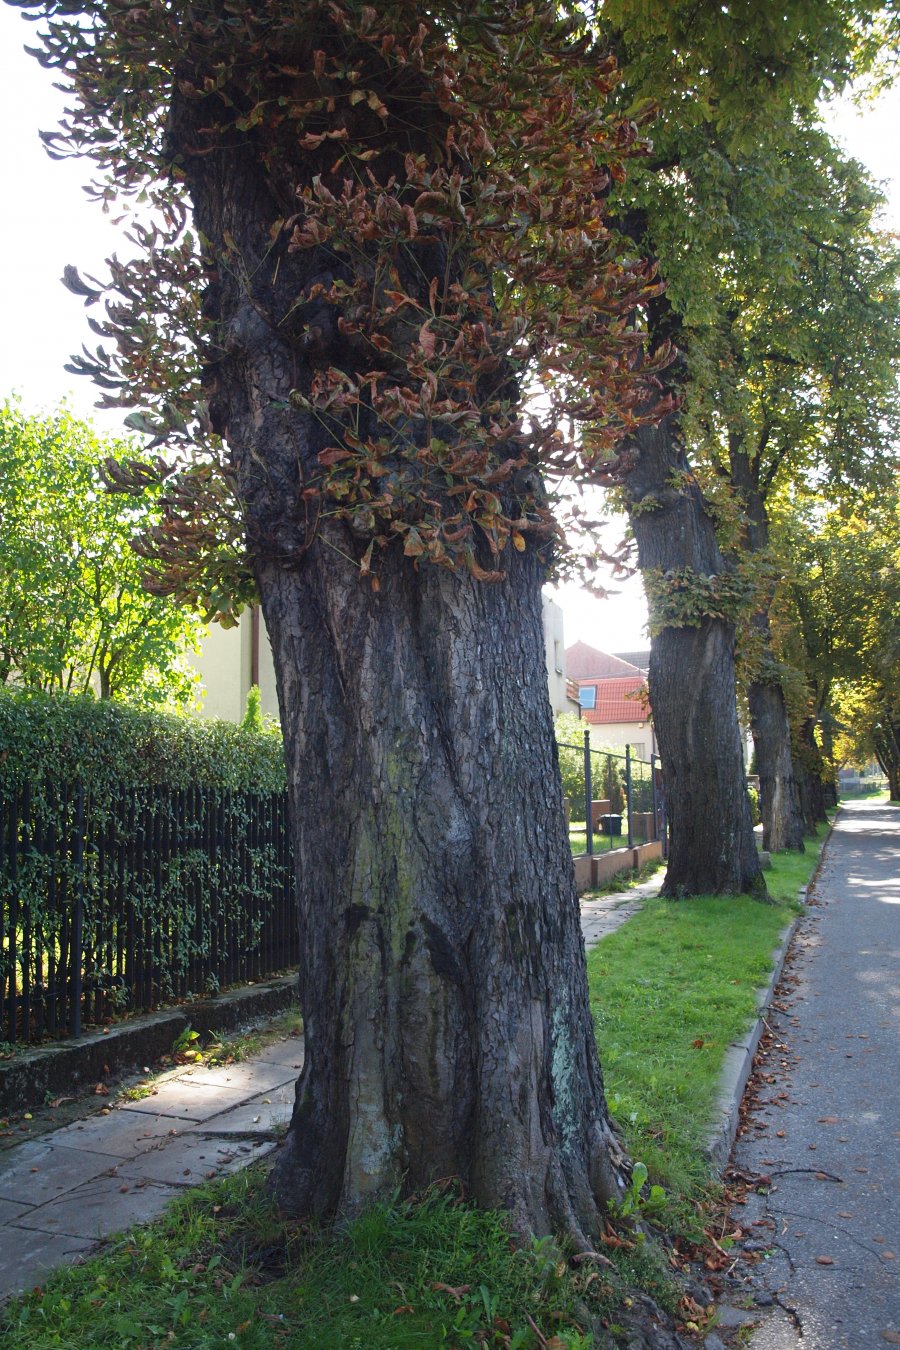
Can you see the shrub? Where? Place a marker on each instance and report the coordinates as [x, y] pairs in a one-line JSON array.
[[753, 794], [112, 745]]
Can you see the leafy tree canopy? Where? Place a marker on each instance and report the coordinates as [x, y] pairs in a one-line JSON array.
[[421, 440], [73, 612]]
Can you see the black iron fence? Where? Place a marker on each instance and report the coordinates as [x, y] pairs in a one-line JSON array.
[[615, 801], [112, 906]]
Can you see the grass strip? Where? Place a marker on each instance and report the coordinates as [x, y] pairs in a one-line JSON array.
[[671, 990], [223, 1268]]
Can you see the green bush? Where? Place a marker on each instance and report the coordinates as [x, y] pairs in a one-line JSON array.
[[609, 785], [112, 745], [753, 794], [569, 743]]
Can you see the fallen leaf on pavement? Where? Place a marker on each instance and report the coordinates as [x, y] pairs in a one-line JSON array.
[[825, 1260]]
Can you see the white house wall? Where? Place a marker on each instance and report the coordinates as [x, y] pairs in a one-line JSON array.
[[225, 664]]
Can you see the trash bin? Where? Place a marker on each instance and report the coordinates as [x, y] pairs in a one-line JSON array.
[[611, 824]]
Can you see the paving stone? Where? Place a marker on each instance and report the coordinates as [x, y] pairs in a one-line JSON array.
[[260, 1115], [10, 1210], [28, 1257], [49, 1170], [288, 1052], [102, 1206], [121, 1134], [190, 1161], [186, 1099], [733, 1317], [249, 1076]]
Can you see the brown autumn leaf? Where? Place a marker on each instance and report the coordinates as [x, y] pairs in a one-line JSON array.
[[427, 339], [697, 1044], [101, 1090], [825, 1260], [456, 1292], [829, 1120], [58, 1101]]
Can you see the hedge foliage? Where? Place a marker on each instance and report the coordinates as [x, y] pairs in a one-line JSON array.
[[112, 746], [176, 851]]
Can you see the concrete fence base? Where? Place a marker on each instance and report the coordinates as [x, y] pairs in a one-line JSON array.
[[599, 868]]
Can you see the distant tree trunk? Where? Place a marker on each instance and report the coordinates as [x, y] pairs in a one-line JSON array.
[[812, 777], [779, 803], [887, 752], [448, 1030], [692, 683], [778, 796]]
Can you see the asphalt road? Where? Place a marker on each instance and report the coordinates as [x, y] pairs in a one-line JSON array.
[[824, 1241]]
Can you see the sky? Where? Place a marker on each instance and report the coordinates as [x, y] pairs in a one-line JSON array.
[[47, 222]]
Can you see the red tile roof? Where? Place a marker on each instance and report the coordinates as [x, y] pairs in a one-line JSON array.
[[587, 663], [618, 700]]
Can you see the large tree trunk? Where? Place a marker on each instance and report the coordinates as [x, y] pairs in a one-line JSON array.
[[448, 1030], [692, 682], [443, 981], [779, 805]]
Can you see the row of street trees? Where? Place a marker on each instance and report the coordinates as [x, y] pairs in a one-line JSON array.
[[782, 298], [404, 219]]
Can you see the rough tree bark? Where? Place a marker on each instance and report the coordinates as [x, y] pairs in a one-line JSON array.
[[779, 794], [779, 806], [443, 985], [447, 1024], [692, 683], [887, 751], [811, 781]]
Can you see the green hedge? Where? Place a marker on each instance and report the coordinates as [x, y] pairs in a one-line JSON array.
[[111, 745]]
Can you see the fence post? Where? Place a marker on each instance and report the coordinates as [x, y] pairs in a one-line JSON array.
[[588, 795], [628, 792], [654, 804], [78, 917]]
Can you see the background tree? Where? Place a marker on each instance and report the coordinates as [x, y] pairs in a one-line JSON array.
[[402, 223], [732, 85], [840, 625], [73, 612], [783, 400]]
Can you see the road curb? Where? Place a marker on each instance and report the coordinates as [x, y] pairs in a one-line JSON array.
[[738, 1064], [28, 1079]]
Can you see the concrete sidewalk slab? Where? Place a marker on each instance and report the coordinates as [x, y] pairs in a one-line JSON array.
[[121, 1134], [44, 1171], [34, 1256], [258, 1076], [196, 1159], [62, 1193], [186, 1099], [101, 1206], [260, 1115]]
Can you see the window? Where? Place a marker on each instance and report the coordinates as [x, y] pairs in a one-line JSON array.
[[587, 696]]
